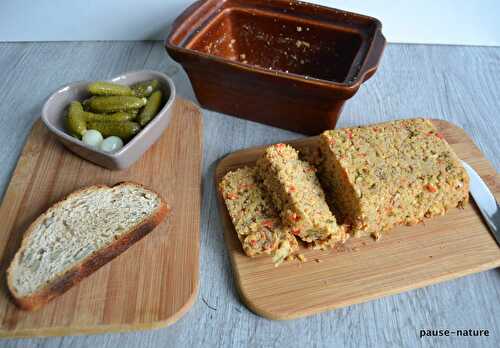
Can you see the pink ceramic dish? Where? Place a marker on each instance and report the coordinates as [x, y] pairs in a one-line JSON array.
[[55, 108]]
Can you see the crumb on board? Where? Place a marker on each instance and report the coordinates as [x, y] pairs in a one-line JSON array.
[[340, 248], [377, 236], [301, 257], [318, 260], [346, 236]]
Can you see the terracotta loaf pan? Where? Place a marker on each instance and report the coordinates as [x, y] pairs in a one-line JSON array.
[[287, 64]]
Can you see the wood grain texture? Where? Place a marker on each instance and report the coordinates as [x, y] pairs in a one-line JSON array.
[[150, 285], [406, 258], [454, 83]]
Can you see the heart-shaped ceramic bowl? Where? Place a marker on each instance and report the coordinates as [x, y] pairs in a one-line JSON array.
[[55, 108]]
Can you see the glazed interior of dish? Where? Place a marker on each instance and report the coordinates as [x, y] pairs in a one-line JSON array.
[[280, 43]]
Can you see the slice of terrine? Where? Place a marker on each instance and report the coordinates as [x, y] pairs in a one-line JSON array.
[[391, 173], [256, 221], [296, 192]]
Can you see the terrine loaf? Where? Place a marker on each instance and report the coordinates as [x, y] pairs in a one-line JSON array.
[[391, 173], [256, 221], [297, 193]]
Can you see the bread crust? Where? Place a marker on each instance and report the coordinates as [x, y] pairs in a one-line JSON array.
[[86, 267]]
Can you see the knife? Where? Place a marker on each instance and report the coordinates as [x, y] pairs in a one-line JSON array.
[[485, 201]]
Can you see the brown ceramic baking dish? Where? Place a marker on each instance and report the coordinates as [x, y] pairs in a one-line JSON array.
[[284, 63]]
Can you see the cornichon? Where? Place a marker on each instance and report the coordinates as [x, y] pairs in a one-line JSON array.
[[125, 129], [108, 89], [85, 104], [115, 117], [114, 103], [76, 120], [133, 112], [146, 88], [151, 109]]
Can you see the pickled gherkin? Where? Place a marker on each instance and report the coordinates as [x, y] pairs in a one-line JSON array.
[[114, 103], [85, 104], [133, 112], [125, 129], [146, 88], [109, 88], [115, 117], [115, 110], [151, 109], [76, 120]]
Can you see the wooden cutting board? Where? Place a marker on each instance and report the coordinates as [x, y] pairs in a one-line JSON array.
[[443, 248], [154, 282]]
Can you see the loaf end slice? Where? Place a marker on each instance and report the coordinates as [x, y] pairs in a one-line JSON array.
[[391, 173], [77, 236]]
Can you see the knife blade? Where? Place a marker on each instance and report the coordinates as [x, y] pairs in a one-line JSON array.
[[485, 201]]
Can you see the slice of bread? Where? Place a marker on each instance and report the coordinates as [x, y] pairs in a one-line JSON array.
[[78, 235]]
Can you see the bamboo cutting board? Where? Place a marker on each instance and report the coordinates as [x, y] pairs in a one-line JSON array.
[[150, 285], [406, 258]]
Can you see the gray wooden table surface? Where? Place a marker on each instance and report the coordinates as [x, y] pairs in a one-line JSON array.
[[459, 84]]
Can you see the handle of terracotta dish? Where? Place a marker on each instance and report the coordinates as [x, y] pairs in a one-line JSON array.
[[374, 56], [185, 14]]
